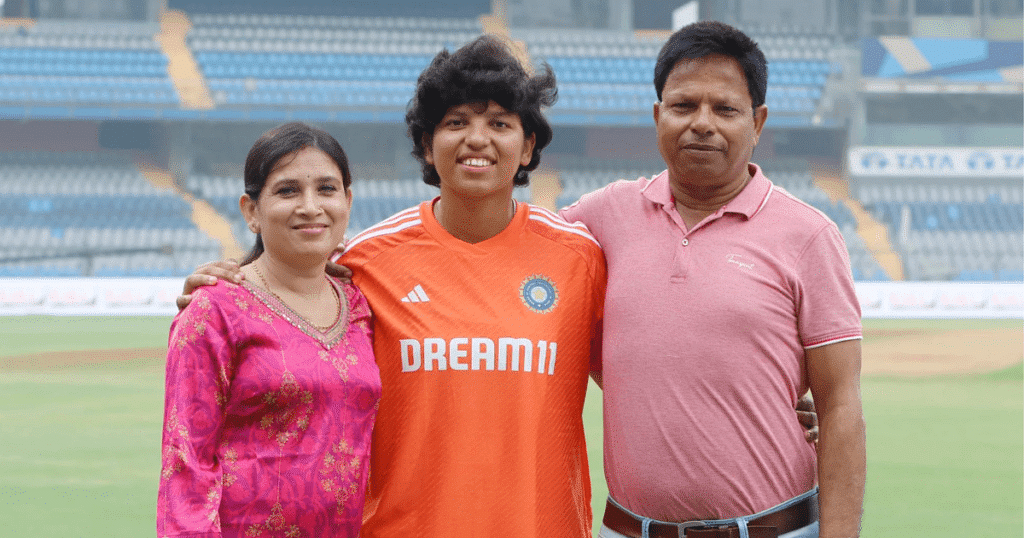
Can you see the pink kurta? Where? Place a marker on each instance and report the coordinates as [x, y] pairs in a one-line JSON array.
[[267, 420]]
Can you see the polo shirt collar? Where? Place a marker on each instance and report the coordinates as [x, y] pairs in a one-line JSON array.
[[753, 197], [748, 202]]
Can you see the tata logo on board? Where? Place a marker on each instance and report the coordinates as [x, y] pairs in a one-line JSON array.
[[967, 162], [873, 160], [981, 160]]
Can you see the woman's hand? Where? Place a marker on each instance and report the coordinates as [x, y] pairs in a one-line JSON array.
[[808, 417], [339, 271]]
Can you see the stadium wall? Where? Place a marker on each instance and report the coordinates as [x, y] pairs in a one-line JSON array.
[[155, 296]]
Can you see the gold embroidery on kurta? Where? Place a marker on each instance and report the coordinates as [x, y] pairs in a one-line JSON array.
[[289, 408], [340, 364], [328, 338], [339, 468], [274, 524], [212, 505], [265, 316], [193, 321], [241, 302], [229, 466], [174, 454]]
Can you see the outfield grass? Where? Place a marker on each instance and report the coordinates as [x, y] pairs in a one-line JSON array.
[[80, 448], [944, 454], [35, 334], [81, 451], [81, 445]]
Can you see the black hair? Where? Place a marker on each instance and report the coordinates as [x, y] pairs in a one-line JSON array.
[[278, 143], [705, 38], [482, 70]]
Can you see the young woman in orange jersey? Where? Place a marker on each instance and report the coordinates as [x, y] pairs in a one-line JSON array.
[[487, 319]]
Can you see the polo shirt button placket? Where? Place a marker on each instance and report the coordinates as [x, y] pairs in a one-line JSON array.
[[682, 261]]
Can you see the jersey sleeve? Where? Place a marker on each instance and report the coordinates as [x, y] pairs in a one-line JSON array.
[[829, 311], [351, 258], [356, 255], [199, 355]]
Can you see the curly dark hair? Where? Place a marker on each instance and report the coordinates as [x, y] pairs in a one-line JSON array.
[[482, 70], [705, 38]]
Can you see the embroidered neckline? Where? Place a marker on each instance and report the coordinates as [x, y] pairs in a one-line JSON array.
[[266, 286], [327, 338]]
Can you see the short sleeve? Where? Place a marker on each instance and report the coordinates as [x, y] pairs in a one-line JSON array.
[[199, 354], [828, 309], [588, 210]]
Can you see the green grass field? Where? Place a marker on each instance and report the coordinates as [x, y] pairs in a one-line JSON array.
[[80, 450]]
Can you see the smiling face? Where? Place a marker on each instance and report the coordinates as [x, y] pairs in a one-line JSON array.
[[303, 209], [477, 148], [707, 127]]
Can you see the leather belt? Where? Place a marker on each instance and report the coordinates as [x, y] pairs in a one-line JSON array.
[[795, 516]]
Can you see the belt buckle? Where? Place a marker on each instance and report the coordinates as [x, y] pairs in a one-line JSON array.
[[681, 527]]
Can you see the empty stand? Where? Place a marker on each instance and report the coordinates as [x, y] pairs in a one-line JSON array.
[[958, 231], [84, 63], [580, 176], [76, 215], [262, 63], [613, 71], [337, 62]]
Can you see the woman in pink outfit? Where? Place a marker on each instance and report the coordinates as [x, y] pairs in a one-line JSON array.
[[272, 387]]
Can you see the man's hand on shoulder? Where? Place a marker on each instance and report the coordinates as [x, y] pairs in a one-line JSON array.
[[207, 275]]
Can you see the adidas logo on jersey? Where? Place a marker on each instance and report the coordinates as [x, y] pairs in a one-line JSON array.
[[417, 295]]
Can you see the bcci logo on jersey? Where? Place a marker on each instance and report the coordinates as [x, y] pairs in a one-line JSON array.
[[538, 294]]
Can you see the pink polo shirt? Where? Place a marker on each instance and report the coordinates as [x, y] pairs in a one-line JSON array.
[[704, 338]]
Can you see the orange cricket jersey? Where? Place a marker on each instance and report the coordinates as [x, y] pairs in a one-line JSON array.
[[484, 351]]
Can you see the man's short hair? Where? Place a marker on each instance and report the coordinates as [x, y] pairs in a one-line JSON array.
[[482, 70], [705, 38]]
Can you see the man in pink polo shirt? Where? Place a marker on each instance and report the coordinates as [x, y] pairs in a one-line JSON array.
[[727, 298]]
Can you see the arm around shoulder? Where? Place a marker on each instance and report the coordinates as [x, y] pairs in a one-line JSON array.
[[207, 275]]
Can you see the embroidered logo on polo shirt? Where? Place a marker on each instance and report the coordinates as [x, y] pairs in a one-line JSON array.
[[539, 294], [739, 261]]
